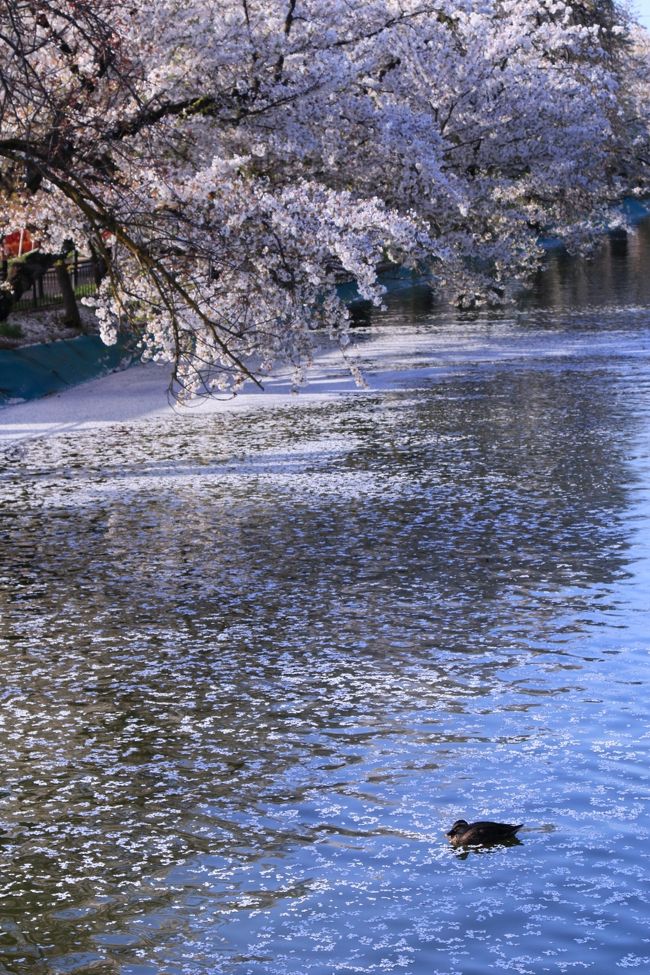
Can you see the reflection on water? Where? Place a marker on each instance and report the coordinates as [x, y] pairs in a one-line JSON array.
[[257, 663], [617, 277]]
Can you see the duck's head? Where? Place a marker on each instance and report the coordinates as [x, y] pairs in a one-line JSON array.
[[459, 827]]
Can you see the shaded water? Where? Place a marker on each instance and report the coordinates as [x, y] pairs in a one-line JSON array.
[[255, 664]]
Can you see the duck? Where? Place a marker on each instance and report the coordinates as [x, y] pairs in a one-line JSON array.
[[483, 833]]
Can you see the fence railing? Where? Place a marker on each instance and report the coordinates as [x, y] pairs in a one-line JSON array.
[[46, 292]]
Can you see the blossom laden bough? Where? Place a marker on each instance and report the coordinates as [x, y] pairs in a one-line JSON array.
[[229, 158]]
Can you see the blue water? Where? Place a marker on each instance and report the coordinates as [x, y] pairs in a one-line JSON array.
[[256, 663]]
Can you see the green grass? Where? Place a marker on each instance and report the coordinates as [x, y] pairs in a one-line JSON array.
[[10, 331], [85, 290]]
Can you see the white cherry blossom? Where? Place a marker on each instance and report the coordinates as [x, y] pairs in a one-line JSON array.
[[230, 158]]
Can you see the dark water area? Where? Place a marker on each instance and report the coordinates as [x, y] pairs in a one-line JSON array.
[[256, 663], [616, 277]]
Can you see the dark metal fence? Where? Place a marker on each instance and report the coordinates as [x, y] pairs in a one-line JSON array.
[[46, 292]]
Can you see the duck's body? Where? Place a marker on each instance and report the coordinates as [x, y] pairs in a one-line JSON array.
[[484, 833]]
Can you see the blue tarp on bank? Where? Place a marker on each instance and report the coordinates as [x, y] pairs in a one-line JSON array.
[[394, 280], [38, 370]]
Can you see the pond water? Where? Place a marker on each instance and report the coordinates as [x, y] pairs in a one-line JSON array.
[[255, 663]]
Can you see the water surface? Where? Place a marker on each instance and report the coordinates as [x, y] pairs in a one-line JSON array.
[[256, 663]]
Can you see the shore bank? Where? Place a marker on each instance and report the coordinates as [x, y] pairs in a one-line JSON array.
[[34, 371]]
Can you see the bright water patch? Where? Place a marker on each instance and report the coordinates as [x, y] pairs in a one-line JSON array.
[[257, 663]]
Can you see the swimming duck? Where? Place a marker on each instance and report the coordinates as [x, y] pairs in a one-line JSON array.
[[463, 833]]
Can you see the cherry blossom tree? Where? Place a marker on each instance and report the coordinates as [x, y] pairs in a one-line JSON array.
[[633, 156], [229, 159]]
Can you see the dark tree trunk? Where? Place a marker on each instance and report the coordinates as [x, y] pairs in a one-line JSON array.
[[70, 307], [99, 265]]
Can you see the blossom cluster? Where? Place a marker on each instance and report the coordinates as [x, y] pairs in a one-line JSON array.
[[231, 159]]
